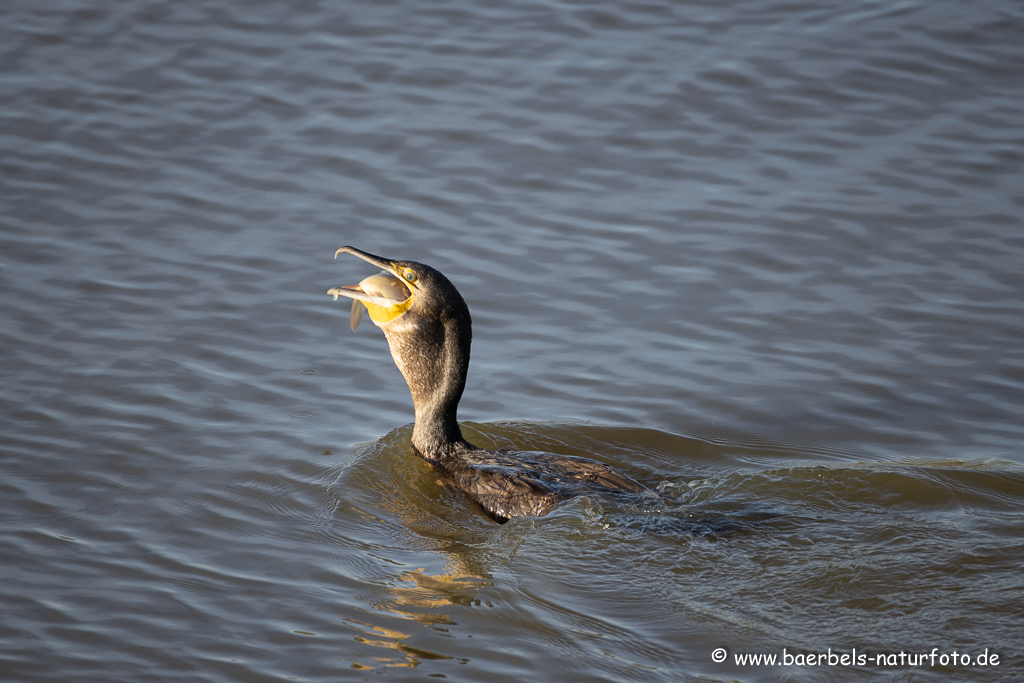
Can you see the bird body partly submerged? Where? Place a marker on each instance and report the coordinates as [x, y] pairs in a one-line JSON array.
[[429, 330], [530, 483]]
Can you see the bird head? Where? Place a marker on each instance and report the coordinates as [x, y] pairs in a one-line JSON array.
[[402, 287]]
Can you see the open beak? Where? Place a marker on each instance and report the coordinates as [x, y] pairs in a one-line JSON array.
[[385, 296]]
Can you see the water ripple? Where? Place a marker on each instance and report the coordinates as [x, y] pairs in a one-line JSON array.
[[765, 257]]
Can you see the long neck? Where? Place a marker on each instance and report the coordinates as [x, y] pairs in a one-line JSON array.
[[434, 359]]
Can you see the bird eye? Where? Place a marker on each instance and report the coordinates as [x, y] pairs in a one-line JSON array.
[[410, 276]]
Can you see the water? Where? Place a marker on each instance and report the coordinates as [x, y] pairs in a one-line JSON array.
[[765, 256]]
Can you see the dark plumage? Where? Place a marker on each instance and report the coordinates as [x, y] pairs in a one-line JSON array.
[[430, 333]]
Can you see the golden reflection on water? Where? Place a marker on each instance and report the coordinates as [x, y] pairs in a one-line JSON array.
[[406, 491], [415, 595], [436, 590], [412, 592]]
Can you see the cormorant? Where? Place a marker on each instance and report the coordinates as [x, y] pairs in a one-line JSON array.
[[429, 329]]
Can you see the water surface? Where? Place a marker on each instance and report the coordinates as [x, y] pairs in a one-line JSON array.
[[764, 256]]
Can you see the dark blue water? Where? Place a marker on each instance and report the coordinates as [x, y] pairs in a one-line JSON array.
[[766, 257]]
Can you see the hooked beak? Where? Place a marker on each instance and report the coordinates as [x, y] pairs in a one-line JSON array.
[[378, 261]]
